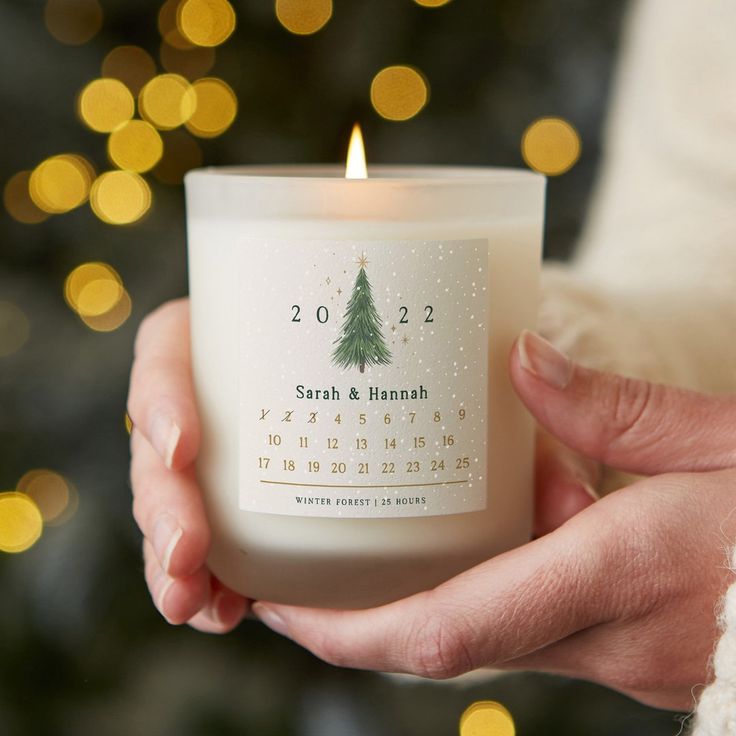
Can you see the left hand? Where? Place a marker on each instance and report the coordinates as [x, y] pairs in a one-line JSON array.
[[624, 593]]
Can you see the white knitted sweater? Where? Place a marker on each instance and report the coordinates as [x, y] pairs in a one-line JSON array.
[[652, 291]]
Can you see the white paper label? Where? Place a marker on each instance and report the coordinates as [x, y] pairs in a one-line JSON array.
[[363, 377]]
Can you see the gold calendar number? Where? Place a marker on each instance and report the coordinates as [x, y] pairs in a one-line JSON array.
[[332, 443], [338, 467], [263, 463], [462, 463], [361, 443], [303, 441], [313, 466], [436, 465], [274, 439], [362, 419], [412, 417], [289, 465], [461, 414], [390, 444], [338, 419], [362, 468], [448, 440], [419, 442], [412, 466], [387, 418], [437, 417], [388, 468]]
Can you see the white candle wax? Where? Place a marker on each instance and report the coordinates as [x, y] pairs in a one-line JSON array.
[[350, 497]]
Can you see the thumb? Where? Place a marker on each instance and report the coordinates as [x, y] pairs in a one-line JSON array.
[[635, 426]]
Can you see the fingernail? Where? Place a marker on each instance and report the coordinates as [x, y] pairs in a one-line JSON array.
[[161, 605], [544, 361], [226, 607], [166, 535], [165, 435], [270, 618], [590, 490]]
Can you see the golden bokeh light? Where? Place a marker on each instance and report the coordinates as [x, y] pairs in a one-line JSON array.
[[120, 197], [551, 146], [136, 146], [73, 22], [181, 153], [14, 329], [60, 183], [18, 202], [216, 108], [192, 63], [110, 321], [167, 101], [98, 297], [486, 718], [205, 22], [84, 275], [303, 17], [21, 523], [130, 65], [167, 25], [399, 92], [104, 104], [432, 3], [53, 495]]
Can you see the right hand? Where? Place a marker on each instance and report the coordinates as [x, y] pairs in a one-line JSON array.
[[167, 502]]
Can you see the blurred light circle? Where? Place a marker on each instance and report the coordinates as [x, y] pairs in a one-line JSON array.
[[120, 197], [14, 329], [21, 522], [73, 22], [167, 25], [551, 146], [104, 104], [113, 319], [486, 718], [135, 145], [399, 92], [85, 274], [217, 106], [18, 202], [130, 65], [167, 101], [181, 153], [303, 17], [206, 22], [60, 183], [432, 3], [49, 491], [99, 297], [192, 62]]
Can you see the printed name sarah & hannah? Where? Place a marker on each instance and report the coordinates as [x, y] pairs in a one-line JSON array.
[[375, 393]]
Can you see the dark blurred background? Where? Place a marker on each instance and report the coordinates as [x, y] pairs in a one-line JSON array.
[[82, 649]]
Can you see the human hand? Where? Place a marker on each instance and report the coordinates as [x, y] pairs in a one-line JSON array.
[[624, 593], [167, 502]]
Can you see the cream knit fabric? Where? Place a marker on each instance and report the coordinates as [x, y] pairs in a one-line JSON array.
[[655, 274]]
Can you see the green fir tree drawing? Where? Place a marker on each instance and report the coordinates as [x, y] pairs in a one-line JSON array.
[[361, 341]]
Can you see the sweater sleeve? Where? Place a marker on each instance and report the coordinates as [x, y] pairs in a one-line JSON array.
[[652, 289]]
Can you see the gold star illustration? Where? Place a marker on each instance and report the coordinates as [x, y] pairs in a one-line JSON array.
[[405, 339], [328, 281], [362, 261], [339, 291], [393, 328]]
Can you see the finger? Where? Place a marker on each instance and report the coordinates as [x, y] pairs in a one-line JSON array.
[[464, 623], [177, 599], [564, 484], [161, 397], [631, 425], [169, 510], [225, 610]]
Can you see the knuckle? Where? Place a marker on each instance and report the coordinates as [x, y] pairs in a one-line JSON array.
[[629, 405], [438, 650]]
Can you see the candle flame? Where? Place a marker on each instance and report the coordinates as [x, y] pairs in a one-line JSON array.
[[356, 167]]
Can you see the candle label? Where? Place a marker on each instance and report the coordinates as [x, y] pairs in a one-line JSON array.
[[363, 377]]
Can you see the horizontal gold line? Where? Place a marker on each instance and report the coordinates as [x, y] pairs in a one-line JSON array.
[[384, 485]]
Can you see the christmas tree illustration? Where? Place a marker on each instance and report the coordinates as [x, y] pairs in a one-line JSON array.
[[361, 342]]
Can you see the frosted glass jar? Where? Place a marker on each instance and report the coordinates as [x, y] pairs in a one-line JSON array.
[[361, 440]]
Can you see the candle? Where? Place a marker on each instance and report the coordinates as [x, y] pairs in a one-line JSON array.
[[361, 440]]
